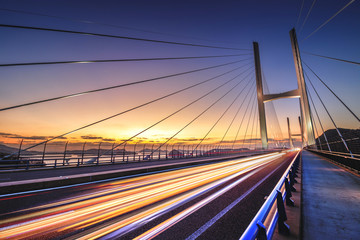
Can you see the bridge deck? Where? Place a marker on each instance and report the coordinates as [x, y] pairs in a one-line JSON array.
[[330, 201], [13, 181]]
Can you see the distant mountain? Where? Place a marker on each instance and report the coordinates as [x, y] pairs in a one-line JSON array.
[[95, 151], [5, 149], [351, 136]]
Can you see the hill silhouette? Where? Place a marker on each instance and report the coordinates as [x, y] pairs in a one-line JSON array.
[[351, 136]]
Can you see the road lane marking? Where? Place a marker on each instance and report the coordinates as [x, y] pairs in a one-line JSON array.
[[180, 216], [207, 225]]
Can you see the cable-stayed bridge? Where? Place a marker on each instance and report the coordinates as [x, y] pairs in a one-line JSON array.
[[191, 152]]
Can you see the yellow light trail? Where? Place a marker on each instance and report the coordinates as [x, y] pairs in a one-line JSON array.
[[130, 201]]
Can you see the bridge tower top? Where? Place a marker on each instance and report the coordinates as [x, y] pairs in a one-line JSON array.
[[301, 93]]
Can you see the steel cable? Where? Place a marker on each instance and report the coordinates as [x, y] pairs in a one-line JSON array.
[[222, 115], [328, 113], [332, 58], [237, 112], [307, 15], [117, 60], [333, 92], [193, 120], [301, 8], [116, 86], [327, 21], [117, 36], [313, 120], [242, 119], [126, 111], [247, 126], [103, 24]]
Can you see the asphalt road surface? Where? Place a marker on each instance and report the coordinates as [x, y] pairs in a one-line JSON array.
[[212, 201]]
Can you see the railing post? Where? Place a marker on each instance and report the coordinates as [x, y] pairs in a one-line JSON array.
[[289, 201], [27, 164], [159, 151], [151, 154], [294, 171], [82, 154], [144, 151], [112, 153], [43, 156], [166, 151], [282, 226], [261, 235], [65, 152], [292, 180], [19, 152], [291, 177], [98, 158], [124, 152], [135, 151]]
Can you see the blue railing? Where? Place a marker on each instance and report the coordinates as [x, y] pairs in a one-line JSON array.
[[347, 160], [272, 211]]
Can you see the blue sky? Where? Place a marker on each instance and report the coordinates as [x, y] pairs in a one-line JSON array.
[[225, 23]]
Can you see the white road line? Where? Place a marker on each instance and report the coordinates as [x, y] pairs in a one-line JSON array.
[[207, 225], [170, 222], [116, 178]]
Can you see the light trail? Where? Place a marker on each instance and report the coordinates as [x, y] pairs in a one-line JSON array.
[[115, 208]]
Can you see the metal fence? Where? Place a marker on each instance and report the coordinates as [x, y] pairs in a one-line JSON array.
[[272, 211], [36, 160], [348, 160]]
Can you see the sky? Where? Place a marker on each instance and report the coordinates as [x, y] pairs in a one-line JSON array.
[[231, 24]]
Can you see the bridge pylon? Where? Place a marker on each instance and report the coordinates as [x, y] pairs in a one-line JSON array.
[[291, 144], [301, 93], [260, 97]]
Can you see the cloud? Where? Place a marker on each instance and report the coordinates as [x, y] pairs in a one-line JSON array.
[[232, 141], [90, 137], [35, 138], [189, 139], [108, 139], [11, 135]]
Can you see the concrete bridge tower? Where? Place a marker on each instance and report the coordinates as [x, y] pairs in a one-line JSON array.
[[300, 92]]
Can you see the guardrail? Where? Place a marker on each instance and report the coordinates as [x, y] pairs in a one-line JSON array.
[[80, 159], [344, 159], [272, 211]]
